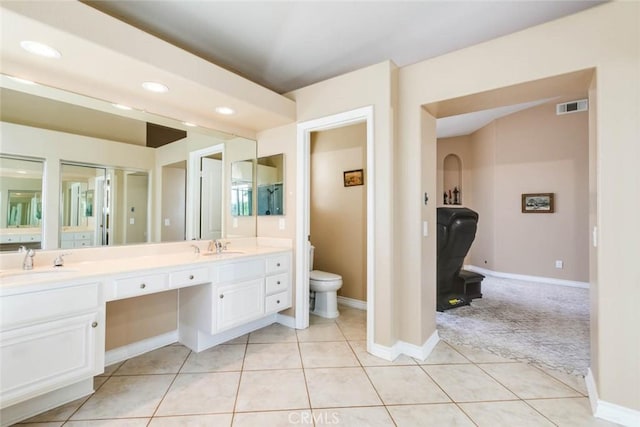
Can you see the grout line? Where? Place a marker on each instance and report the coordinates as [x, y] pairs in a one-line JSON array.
[[235, 402], [170, 385]]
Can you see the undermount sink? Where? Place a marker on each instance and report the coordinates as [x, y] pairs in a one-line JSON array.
[[222, 253]]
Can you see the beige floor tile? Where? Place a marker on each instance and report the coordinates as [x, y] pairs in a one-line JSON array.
[[217, 420], [405, 384], [315, 320], [372, 416], [528, 382], [439, 415], [44, 424], [480, 356], [320, 332], [467, 383], [220, 358], [444, 354], [61, 413], [242, 339], [206, 393], [569, 412], [273, 333], [367, 359], [98, 381], [353, 331], [272, 390], [300, 417], [340, 387], [109, 370], [272, 356], [351, 313], [574, 381], [125, 397], [165, 360], [514, 413], [127, 422], [327, 354]]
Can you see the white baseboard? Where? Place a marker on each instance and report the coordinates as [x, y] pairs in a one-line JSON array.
[[540, 279], [609, 411], [288, 321], [137, 348], [353, 303], [402, 347]]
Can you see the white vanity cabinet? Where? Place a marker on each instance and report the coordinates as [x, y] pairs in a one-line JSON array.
[[241, 291], [48, 340]]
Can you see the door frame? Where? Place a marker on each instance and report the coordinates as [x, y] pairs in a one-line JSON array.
[[303, 214], [192, 219]]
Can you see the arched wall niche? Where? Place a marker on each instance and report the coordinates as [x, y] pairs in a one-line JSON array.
[[452, 180]]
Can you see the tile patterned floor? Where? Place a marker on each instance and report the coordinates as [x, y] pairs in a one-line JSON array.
[[323, 376]]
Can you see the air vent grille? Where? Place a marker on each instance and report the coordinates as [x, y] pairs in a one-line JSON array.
[[572, 107]]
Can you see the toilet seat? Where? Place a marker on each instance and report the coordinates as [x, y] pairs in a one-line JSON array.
[[323, 276]]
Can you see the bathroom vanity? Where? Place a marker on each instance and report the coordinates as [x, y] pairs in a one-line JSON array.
[[52, 320]]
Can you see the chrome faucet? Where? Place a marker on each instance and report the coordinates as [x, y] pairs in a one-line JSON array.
[[59, 261], [218, 245], [27, 263], [196, 249]]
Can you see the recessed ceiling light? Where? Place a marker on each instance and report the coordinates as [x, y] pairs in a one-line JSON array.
[[191, 125], [155, 87], [122, 107], [226, 111], [40, 49], [22, 172], [23, 81]]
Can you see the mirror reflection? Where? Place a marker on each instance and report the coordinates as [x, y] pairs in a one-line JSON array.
[[21, 211], [271, 185], [102, 206], [86, 204], [242, 188]]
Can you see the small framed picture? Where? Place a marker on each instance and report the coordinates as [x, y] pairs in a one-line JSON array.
[[354, 177], [538, 203]]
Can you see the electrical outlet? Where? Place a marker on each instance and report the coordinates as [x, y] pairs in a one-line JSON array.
[[167, 222], [559, 264]]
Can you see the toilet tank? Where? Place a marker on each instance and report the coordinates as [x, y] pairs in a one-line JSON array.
[[311, 250]]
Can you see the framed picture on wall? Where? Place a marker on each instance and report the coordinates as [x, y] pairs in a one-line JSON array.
[[354, 177], [538, 203]]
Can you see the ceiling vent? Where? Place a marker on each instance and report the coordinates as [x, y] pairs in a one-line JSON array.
[[572, 107]]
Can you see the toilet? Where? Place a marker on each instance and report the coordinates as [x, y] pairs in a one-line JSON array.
[[325, 287]]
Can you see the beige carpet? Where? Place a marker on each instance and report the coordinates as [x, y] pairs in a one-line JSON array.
[[546, 325]]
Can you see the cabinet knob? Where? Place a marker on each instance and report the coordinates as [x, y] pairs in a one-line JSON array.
[[221, 296], [278, 265], [142, 286], [278, 282], [277, 301], [94, 324], [191, 277]]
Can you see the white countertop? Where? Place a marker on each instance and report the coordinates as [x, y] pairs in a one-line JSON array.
[[85, 265]]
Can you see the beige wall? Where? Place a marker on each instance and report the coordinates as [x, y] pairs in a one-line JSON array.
[[457, 146], [611, 46], [532, 151], [371, 86], [174, 181], [339, 213]]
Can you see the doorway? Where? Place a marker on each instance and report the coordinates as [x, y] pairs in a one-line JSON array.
[[205, 216], [303, 228]]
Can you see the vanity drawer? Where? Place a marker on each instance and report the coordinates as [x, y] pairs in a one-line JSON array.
[[277, 263], [194, 276], [277, 302], [277, 283], [140, 285], [47, 305], [30, 238], [10, 239], [239, 271]]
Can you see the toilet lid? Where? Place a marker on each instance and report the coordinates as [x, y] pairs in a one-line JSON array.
[[323, 276]]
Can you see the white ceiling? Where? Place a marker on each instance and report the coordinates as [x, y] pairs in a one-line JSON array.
[[286, 45], [279, 45]]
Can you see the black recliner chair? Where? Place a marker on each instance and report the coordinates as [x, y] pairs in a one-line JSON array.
[[456, 231]]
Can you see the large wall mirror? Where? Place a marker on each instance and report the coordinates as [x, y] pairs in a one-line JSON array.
[[271, 185], [113, 194], [21, 210]]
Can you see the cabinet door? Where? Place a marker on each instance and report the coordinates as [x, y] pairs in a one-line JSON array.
[[239, 303], [40, 358]]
